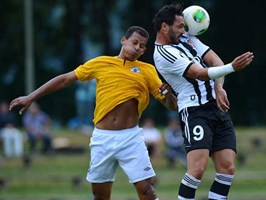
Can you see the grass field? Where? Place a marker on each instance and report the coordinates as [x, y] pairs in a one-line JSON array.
[[52, 177]]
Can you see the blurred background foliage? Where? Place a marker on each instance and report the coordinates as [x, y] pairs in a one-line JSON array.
[[68, 32]]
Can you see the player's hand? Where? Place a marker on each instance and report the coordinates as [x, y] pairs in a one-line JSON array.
[[165, 89], [23, 101], [242, 61], [221, 99]]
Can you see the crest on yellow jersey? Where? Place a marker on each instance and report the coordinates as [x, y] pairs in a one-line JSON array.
[[135, 69]]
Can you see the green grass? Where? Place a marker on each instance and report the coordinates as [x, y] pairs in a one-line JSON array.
[[50, 177]]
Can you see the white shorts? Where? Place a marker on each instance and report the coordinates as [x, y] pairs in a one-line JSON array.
[[126, 148]]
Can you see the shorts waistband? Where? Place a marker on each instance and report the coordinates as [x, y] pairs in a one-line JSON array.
[[117, 132]]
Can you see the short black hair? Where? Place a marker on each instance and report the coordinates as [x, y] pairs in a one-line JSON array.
[[167, 14], [138, 30]]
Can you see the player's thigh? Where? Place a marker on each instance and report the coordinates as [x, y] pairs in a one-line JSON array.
[[224, 161], [103, 165], [196, 129], [134, 159], [224, 134]]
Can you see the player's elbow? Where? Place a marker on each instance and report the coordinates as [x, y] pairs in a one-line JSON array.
[[198, 73], [202, 76]]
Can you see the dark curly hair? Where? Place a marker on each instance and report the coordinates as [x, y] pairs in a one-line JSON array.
[[167, 14]]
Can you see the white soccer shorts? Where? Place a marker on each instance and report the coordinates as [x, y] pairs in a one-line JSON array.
[[124, 148]]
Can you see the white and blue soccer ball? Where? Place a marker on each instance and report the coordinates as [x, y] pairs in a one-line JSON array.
[[197, 20]]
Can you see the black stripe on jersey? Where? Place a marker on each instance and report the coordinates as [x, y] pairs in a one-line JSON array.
[[206, 83], [182, 50], [209, 90], [191, 50], [185, 72], [166, 54], [195, 85], [194, 53], [205, 64]]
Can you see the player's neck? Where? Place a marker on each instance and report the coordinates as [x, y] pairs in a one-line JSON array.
[[161, 39]]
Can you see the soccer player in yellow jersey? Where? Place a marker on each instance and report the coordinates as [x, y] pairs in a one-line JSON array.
[[122, 93]]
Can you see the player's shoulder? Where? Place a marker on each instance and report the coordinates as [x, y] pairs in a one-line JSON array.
[[166, 49], [167, 54], [145, 64], [193, 41], [104, 58], [101, 60], [186, 36]]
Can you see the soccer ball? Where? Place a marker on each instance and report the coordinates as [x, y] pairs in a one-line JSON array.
[[197, 20]]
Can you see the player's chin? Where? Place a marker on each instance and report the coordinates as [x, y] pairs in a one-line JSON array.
[[177, 39], [133, 57]]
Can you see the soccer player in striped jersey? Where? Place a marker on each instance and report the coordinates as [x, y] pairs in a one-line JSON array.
[[122, 94], [195, 73]]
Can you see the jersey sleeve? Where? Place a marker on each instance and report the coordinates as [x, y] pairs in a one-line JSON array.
[[86, 71], [154, 82], [173, 61]]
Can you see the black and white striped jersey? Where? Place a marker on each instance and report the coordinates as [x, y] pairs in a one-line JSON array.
[[172, 62]]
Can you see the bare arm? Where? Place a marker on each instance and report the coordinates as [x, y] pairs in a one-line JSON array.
[[51, 86]]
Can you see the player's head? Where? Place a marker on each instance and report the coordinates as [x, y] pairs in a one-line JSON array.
[[167, 15], [169, 21], [141, 31], [134, 43]]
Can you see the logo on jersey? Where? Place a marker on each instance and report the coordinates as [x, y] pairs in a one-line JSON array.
[[192, 97], [147, 169], [190, 42], [135, 69]]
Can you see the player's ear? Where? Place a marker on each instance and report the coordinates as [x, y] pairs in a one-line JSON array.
[[144, 50], [123, 39], [164, 27]]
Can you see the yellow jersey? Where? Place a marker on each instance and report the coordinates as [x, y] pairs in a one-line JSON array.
[[119, 81]]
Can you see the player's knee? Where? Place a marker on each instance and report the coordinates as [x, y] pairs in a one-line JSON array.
[[197, 171], [231, 169], [228, 168], [146, 192]]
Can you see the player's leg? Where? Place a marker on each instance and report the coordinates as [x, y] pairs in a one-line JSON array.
[[223, 155], [197, 161], [198, 142], [134, 159], [103, 164], [102, 191], [224, 165]]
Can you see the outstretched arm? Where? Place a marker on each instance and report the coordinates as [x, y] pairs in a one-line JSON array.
[[238, 64], [51, 86]]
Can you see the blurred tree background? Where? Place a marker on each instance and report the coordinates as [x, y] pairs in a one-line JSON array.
[[69, 32]]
